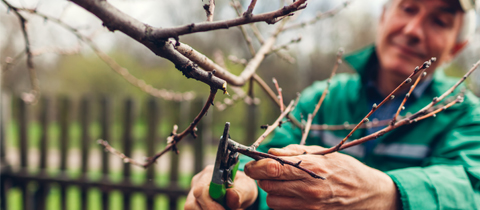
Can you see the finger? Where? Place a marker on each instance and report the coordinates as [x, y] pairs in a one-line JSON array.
[[272, 169], [294, 149], [191, 203], [243, 193], [285, 202], [296, 188], [202, 197]]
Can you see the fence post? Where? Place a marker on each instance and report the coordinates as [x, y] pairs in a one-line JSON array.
[[152, 116], [41, 193], [105, 119], [85, 144], [23, 134], [64, 139], [4, 167], [205, 134], [127, 148], [179, 113]]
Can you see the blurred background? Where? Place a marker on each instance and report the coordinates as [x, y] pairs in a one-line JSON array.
[[83, 99]]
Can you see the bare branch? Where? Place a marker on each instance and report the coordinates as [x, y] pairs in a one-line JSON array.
[[34, 94], [117, 68], [114, 19], [249, 11], [209, 9], [285, 46], [279, 91], [320, 101], [402, 107], [320, 16], [269, 17], [389, 97], [250, 152], [406, 121], [236, 5], [272, 95], [208, 65], [172, 140], [273, 126], [450, 91]]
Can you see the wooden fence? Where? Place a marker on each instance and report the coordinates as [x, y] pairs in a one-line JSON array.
[[21, 176]]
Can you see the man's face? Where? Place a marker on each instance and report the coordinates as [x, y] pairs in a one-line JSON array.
[[412, 31]]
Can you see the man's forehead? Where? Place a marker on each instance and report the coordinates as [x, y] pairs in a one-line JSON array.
[[448, 6]]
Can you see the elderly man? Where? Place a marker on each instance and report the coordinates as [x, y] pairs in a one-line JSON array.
[[432, 164]]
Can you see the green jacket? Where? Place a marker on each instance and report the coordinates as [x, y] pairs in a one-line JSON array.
[[435, 163]]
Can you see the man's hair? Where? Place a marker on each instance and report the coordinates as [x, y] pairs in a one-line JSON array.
[[467, 29]]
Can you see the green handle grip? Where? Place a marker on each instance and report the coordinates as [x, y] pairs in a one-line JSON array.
[[218, 191]]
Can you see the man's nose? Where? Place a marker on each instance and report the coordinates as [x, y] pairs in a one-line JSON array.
[[414, 29]]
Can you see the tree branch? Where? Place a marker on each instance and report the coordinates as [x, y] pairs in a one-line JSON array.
[[209, 9], [114, 19], [389, 97], [33, 96], [273, 126], [172, 140], [269, 17]]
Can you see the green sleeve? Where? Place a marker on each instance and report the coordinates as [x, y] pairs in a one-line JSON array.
[[450, 177]]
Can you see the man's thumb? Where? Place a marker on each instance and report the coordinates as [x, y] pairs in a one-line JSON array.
[[233, 198]]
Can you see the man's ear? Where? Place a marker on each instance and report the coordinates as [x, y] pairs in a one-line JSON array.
[[457, 49]]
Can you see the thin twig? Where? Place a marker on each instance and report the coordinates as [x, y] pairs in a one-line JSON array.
[[279, 96], [35, 92], [322, 98], [450, 91], [236, 5], [209, 9], [402, 107], [274, 98], [273, 126], [389, 97], [433, 113], [250, 152], [269, 17], [285, 46], [249, 11], [112, 150], [117, 68], [172, 140], [412, 119], [319, 16]]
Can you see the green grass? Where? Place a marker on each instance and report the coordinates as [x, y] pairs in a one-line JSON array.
[[15, 201]]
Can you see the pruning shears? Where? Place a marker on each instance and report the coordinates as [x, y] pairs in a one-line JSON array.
[[226, 166]]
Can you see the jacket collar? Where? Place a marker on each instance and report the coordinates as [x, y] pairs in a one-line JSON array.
[[365, 63]]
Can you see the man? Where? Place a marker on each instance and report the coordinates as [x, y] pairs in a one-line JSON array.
[[432, 164]]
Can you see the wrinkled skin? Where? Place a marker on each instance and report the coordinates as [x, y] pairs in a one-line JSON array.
[[410, 32], [349, 183]]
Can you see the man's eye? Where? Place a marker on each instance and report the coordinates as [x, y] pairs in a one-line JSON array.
[[440, 22], [409, 10]]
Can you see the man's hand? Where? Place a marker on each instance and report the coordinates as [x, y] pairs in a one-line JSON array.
[[349, 183], [241, 195]]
